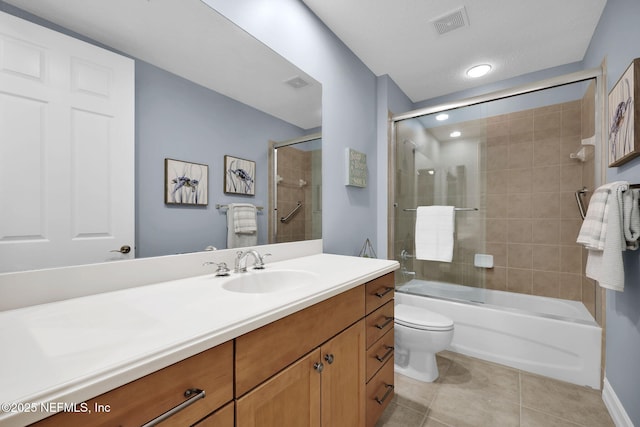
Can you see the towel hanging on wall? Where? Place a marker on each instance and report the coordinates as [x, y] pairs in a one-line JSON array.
[[612, 225], [242, 225]]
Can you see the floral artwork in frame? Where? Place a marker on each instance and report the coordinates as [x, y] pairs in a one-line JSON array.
[[239, 176], [623, 137], [185, 183]]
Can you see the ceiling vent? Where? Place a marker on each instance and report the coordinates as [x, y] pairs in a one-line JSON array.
[[451, 21], [297, 82]]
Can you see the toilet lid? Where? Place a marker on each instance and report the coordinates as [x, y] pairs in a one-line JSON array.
[[421, 318]]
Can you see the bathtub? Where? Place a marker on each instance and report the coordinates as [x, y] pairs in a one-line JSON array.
[[546, 336]]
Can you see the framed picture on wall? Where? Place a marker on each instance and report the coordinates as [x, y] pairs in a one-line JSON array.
[[185, 183], [239, 176], [623, 137]]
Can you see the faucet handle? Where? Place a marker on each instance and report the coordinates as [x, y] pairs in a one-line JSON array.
[[259, 265], [222, 270]]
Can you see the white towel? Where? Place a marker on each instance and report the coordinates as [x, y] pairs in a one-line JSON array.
[[605, 265], [434, 233], [242, 225]]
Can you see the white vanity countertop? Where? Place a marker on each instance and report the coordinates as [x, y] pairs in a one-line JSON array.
[[73, 350]]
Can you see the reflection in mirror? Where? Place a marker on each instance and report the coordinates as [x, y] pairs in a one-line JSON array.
[[203, 89], [296, 189]]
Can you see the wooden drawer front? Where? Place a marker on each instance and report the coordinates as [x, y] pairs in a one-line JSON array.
[[379, 323], [379, 353], [263, 352], [142, 400], [378, 292], [379, 393], [223, 417]]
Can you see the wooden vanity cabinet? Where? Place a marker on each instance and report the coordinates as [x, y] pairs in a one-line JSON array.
[[380, 346], [330, 364], [142, 400], [324, 387]]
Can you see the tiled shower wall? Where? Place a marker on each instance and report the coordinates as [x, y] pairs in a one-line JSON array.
[[531, 220], [295, 165]]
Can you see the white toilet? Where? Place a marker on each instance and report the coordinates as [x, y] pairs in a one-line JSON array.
[[419, 335]]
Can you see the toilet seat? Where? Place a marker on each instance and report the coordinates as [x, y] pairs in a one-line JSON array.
[[421, 318]]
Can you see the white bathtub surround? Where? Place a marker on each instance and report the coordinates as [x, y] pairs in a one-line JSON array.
[[546, 336], [74, 349]]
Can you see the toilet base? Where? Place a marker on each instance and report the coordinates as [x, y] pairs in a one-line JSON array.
[[422, 367]]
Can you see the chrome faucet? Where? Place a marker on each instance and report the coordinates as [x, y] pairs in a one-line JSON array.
[[242, 256]]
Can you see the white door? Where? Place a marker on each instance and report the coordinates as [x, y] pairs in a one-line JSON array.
[[66, 149]]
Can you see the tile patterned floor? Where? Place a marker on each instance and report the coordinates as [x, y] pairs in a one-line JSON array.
[[474, 393]]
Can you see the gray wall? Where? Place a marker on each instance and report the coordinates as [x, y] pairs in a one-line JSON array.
[[616, 39], [178, 119]]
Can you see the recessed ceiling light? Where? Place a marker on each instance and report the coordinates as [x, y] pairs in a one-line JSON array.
[[442, 116], [478, 70], [455, 134]]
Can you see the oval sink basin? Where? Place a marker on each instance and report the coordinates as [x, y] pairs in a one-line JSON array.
[[267, 281]]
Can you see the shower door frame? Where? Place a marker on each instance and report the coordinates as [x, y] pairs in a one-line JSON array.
[[596, 74], [273, 182]]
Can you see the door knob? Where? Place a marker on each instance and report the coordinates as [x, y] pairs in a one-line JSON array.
[[124, 249]]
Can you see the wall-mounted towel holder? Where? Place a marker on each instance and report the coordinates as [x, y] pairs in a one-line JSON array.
[[580, 198], [219, 206], [455, 209]]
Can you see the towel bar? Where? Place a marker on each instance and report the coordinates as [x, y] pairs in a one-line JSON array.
[[455, 209], [219, 206]]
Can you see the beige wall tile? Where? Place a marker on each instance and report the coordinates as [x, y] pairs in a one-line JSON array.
[[571, 259], [497, 230], [519, 256], [520, 156], [569, 229], [546, 179], [497, 157], [519, 230], [546, 231], [496, 206], [519, 181], [497, 181], [545, 205], [496, 278], [499, 252], [519, 280], [519, 205], [546, 258], [546, 152], [546, 283]]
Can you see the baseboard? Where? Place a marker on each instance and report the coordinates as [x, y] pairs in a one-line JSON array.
[[615, 408]]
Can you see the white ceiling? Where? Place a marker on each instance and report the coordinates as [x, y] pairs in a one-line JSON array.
[[516, 37], [190, 39]]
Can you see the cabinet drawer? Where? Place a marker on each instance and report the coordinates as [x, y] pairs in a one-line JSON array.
[[379, 323], [379, 392], [378, 292], [265, 351], [223, 417], [142, 400], [379, 353]]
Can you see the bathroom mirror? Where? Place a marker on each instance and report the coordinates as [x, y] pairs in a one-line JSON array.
[[205, 89]]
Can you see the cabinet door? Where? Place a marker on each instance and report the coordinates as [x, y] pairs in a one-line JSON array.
[[289, 399], [343, 378]]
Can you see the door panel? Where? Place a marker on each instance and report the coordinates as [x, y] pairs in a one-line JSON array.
[[66, 149]]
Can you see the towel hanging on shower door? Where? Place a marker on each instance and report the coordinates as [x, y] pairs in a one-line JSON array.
[[434, 233]]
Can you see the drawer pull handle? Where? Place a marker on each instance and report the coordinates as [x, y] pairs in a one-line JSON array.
[[387, 320], [386, 291], [329, 358], [386, 394], [194, 394], [384, 356], [318, 366]]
